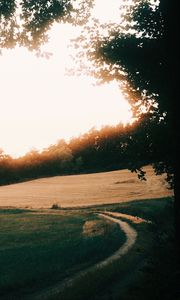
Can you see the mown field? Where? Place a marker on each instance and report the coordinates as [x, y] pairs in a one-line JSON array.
[[84, 190]]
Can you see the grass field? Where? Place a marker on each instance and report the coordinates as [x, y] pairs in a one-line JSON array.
[[38, 249], [42, 247], [84, 190], [149, 270]]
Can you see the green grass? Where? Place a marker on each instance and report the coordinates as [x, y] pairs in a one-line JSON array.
[[146, 208], [151, 209], [13, 211], [39, 249], [148, 272], [159, 275]]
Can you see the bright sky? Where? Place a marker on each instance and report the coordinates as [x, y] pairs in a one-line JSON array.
[[40, 105]]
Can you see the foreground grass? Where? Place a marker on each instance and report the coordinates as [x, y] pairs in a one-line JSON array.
[[148, 272], [39, 249]]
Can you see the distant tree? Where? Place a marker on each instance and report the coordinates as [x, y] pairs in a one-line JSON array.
[[78, 165]]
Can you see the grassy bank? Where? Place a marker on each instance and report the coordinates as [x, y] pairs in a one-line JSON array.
[[40, 248]]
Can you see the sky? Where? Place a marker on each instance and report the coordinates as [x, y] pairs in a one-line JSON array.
[[39, 104]]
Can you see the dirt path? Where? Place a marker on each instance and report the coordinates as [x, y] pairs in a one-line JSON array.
[[131, 236], [133, 219]]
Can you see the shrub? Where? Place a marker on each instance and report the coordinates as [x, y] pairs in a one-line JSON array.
[[55, 206]]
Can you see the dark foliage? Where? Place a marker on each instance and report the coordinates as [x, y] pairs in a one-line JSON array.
[[26, 23], [143, 53]]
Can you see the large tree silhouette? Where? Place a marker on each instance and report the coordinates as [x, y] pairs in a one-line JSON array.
[[142, 54]]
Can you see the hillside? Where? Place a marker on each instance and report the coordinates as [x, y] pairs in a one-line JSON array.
[[84, 190]]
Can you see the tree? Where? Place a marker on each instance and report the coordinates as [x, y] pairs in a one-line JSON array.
[[26, 23], [142, 54]]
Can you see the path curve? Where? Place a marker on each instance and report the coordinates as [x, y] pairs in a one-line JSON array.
[[134, 219], [131, 235]]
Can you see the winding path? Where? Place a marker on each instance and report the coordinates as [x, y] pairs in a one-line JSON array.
[[131, 235], [133, 219]]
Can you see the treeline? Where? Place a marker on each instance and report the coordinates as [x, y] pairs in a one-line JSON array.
[[112, 147]]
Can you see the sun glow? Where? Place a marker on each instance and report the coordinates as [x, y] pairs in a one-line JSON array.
[[40, 104]]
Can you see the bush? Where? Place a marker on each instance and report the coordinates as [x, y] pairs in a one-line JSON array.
[[55, 206]]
